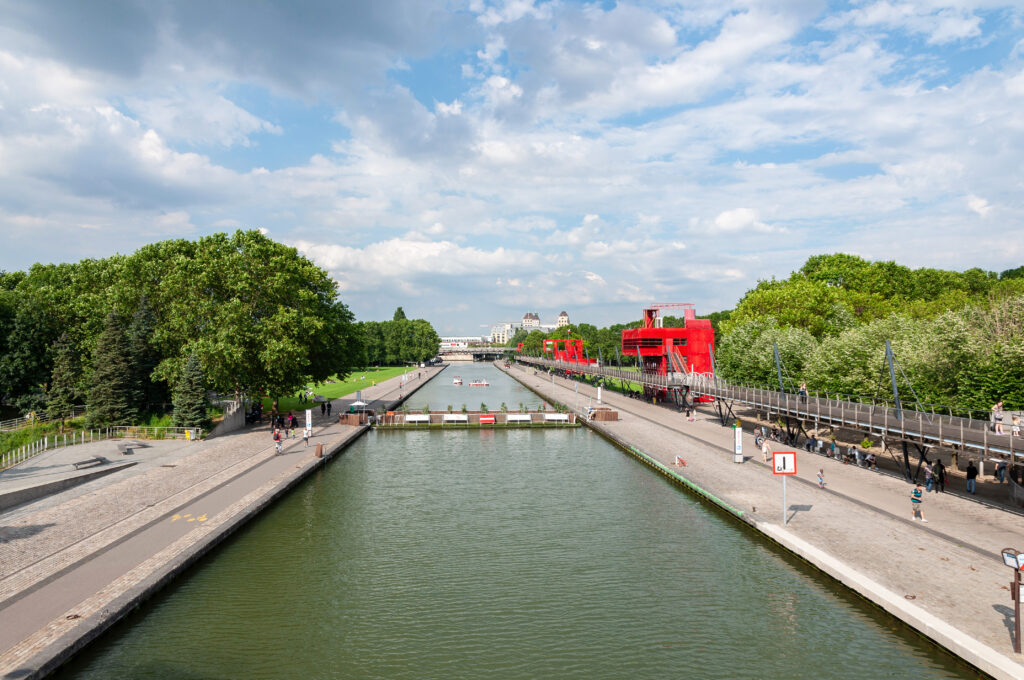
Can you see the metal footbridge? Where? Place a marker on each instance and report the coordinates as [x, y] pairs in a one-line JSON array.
[[924, 429]]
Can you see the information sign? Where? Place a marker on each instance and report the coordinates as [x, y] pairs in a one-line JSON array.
[[784, 462]]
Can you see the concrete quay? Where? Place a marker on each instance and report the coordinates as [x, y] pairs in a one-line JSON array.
[[74, 563], [944, 578]]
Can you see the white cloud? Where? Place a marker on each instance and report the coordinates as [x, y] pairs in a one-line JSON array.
[[978, 205], [739, 220]]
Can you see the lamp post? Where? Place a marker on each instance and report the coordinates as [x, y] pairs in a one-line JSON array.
[[1015, 560]]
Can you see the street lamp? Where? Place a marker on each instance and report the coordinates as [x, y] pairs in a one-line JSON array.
[[1015, 560]]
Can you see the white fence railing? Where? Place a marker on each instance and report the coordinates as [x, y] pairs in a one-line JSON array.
[[49, 442]]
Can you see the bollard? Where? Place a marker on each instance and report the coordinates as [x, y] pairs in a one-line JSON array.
[[319, 450]]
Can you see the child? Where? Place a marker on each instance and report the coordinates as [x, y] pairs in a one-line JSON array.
[[1015, 430], [821, 478], [915, 503]]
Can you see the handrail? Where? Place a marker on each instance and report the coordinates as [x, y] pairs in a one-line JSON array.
[[926, 427]]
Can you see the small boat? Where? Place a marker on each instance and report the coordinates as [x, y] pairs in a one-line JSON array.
[[479, 382], [457, 380]]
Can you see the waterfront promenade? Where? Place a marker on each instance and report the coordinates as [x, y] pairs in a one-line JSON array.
[[945, 577], [73, 563]]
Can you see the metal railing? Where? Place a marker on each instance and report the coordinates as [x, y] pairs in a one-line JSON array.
[[35, 418], [873, 416], [49, 442]]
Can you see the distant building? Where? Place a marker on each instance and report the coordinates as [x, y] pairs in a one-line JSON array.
[[531, 320], [501, 333], [563, 320]]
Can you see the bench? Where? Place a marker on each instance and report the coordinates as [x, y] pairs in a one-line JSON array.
[[89, 462]]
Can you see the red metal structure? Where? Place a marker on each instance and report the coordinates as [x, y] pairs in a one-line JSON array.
[[670, 350], [570, 350]]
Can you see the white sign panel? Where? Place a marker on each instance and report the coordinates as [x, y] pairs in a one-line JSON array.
[[737, 456], [784, 463], [309, 419]]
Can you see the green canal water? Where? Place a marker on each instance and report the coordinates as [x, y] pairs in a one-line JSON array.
[[511, 554]]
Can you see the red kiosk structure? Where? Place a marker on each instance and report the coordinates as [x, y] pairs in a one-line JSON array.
[[661, 350]]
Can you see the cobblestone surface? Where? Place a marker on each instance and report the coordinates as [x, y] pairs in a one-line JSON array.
[[38, 546], [949, 567]]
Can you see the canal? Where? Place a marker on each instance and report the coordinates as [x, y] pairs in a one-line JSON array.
[[511, 554]]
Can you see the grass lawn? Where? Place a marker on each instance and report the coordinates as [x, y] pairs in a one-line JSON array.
[[358, 380]]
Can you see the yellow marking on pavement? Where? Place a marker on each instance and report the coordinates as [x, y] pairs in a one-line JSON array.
[[202, 517], [176, 518]]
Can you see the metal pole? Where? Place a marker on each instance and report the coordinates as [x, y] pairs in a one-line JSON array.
[[892, 377], [778, 365], [784, 521], [1016, 610]]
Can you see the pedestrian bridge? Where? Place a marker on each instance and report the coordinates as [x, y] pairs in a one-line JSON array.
[[880, 419]]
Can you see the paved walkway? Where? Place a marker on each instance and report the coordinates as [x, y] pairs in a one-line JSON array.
[[70, 564], [945, 577]]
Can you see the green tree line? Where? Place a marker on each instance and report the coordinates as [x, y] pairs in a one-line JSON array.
[[253, 315], [399, 341], [957, 336]]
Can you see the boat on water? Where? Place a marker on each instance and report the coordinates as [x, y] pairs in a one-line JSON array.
[[479, 382], [457, 380]]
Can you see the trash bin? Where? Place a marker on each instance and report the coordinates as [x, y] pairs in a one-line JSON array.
[[319, 450]]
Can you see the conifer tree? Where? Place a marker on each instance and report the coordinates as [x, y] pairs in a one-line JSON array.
[[113, 395], [190, 402], [146, 358], [64, 391]]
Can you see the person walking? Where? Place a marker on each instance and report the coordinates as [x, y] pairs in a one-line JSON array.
[[1015, 430], [305, 437], [766, 452], [803, 393], [972, 476], [821, 478], [940, 476], [997, 415], [929, 474], [1001, 471], [915, 503], [323, 409], [328, 409], [277, 440]]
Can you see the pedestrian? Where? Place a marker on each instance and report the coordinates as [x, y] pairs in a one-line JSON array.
[[929, 473], [291, 430], [277, 440], [1001, 471], [1015, 430], [803, 393], [997, 415], [832, 449], [972, 475], [305, 437], [766, 451], [915, 503], [940, 476], [821, 478], [328, 409], [871, 462], [323, 408]]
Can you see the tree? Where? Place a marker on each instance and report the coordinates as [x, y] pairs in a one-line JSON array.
[[146, 358], [399, 315], [63, 394], [191, 407], [113, 393]]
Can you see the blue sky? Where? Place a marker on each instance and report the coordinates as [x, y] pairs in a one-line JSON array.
[[473, 160]]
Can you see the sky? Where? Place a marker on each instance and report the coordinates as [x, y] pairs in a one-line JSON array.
[[473, 160]]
